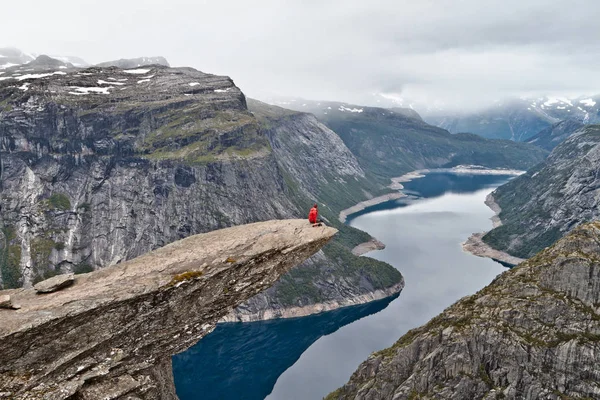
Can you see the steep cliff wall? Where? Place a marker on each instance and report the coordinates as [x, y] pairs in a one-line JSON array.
[[551, 199], [100, 165], [533, 333], [111, 334]]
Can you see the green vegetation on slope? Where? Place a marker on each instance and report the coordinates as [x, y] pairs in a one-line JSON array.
[[389, 144], [10, 257]]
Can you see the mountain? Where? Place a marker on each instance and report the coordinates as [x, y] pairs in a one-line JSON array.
[[103, 164], [126, 63], [552, 136], [10, 57], [317, 165], [533, 333], [518, 119], [333, 108], [541, 206], [389, 143]]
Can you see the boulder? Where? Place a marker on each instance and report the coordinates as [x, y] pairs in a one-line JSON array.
[[6, 302], [55, 283]]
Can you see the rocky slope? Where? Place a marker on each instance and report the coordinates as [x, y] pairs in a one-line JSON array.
[[112, 334], [554, 135], [101, 165], [551, 199], [319, 167], [533, 333]]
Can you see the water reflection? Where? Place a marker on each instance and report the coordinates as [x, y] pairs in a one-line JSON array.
[[244, 360]]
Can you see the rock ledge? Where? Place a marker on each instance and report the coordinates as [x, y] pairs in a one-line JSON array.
[[112, 333]]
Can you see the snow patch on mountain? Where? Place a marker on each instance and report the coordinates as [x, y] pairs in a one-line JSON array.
[[352, 110]]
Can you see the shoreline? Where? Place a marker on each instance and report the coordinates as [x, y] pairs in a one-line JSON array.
[[368, 203], [366, 247], [477, 247], [472, 246], [304, 311], [396, 184]]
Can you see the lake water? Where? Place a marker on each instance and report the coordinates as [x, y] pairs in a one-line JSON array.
[[306, 358]]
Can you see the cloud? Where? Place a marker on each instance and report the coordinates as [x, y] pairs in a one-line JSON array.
[[467, 52]]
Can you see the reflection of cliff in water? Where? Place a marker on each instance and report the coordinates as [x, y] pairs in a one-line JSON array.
[[435, 184], [244, 360]]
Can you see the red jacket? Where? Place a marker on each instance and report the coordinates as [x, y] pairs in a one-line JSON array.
[[313, 215]]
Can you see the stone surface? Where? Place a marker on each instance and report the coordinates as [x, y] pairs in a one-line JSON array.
[[111, 335], [533, 333], [55, 283], [551, 199]]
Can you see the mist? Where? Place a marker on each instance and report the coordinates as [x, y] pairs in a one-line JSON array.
[[463, 54]]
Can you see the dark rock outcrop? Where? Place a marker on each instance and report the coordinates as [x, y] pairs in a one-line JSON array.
[[541, 206], [533, 333], [111, 334]]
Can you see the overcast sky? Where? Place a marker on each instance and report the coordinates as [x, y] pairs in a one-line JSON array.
[[465, 52]]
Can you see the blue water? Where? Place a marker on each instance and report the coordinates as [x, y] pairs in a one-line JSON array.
[[306, 358]]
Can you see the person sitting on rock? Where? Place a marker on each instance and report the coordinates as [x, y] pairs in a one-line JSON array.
[[313, 216]]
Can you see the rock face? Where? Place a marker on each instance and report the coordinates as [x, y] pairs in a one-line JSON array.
[[533, 333], [73, 143], [101, 165], [330, 174], [111, 334], [554, 135], [551, 199]]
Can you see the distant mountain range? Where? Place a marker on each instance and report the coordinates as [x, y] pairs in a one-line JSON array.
[[12, 57], [518, 119]]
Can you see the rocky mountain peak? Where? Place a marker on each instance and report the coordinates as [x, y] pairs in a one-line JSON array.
[[45, 61]]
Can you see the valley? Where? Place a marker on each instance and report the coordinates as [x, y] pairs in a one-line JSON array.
[[102, 165]]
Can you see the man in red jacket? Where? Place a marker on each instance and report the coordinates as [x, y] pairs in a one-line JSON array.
[[313, 216]]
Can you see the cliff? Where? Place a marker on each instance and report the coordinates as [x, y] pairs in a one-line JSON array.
[[541, 206], [111, 334], [103, 164], [533, 333], [324, 171]]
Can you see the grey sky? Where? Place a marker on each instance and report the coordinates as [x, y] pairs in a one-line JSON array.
[[466, 52]]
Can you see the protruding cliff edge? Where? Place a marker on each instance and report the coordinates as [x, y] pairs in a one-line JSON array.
[[112, 333], [533, 333]]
